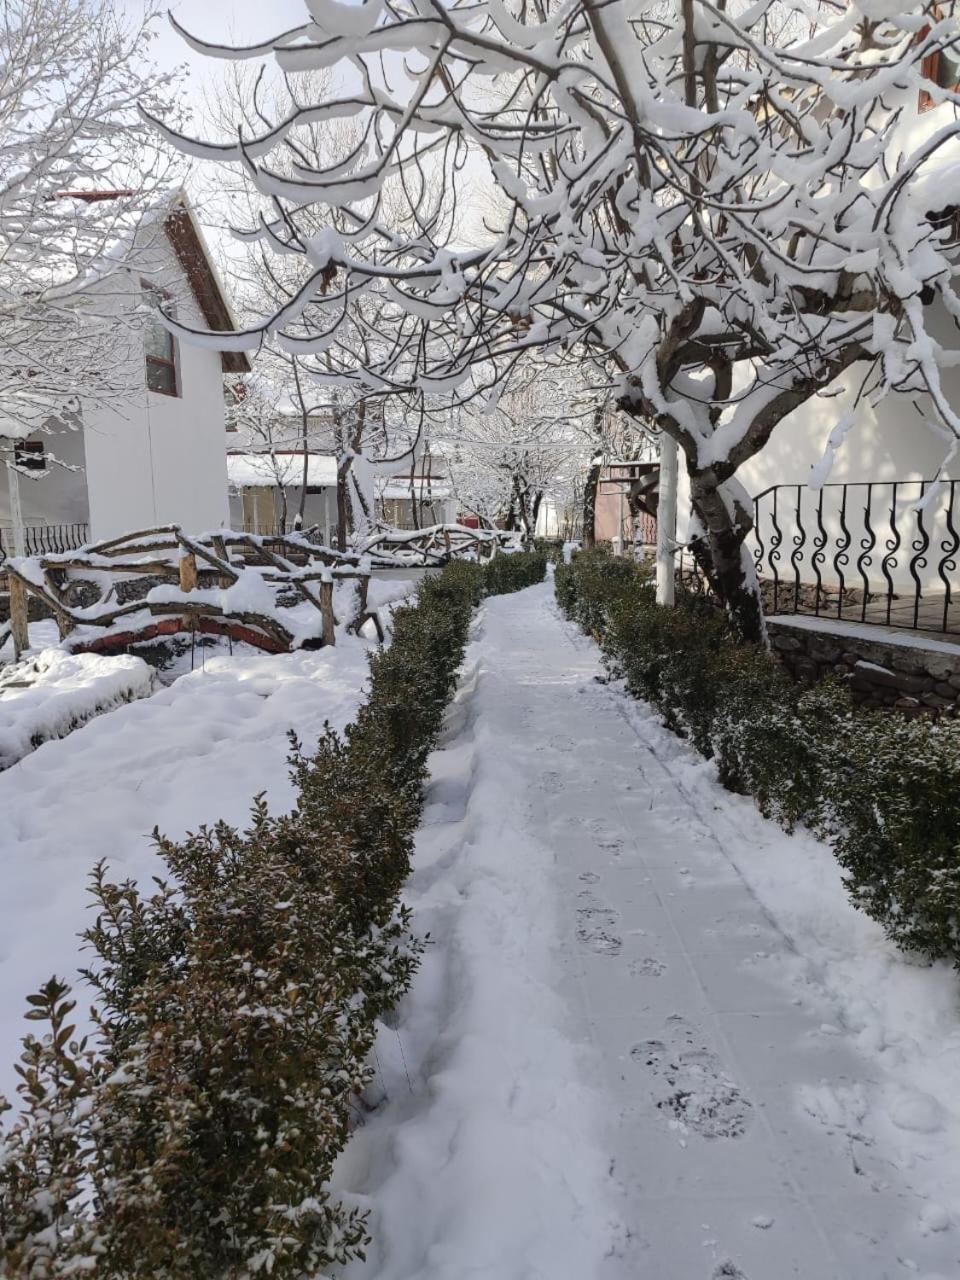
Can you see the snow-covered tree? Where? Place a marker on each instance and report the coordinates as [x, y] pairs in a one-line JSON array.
[[509, 452], [80, 172], [713, 198]]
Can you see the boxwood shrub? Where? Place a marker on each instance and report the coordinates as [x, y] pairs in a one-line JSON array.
[[884, 790], [235, 1006], [514, 571]]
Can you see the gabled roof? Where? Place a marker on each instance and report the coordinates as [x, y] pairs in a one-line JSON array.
[[189, 245]]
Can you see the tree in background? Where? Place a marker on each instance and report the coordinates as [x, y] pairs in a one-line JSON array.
[[507, 454], [712, 199], [81, 173]]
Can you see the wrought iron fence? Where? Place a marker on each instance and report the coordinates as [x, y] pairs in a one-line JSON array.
[[872, 551], [45, 538]]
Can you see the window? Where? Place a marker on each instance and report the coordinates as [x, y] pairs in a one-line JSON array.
[[160, 345], [941, 67], [30, 455]]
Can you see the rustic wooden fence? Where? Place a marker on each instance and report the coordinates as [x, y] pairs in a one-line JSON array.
[[104, 596]]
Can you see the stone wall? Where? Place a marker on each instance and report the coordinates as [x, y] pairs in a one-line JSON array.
[[884, 670]]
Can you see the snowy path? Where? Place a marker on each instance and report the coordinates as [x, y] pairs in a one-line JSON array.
[[615, 1062]]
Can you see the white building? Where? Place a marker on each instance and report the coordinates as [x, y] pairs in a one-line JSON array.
[[266, 481], [860, 528], [158, 455]]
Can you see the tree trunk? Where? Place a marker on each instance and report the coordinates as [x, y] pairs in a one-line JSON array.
[[590, 506], [722, 555], [414, 513], [343, 505]]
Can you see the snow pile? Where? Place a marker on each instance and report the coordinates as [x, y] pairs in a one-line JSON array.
[[49, 695], [196, 751]]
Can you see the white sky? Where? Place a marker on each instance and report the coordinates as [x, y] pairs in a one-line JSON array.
[[224, 21]]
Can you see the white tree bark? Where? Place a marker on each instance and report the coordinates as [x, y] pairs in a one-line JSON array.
[[667, 520], [16, 512]]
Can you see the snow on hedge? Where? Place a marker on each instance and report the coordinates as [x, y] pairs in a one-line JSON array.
[[49, 695]]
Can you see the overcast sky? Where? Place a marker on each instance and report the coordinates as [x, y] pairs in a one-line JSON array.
[[225, 21]]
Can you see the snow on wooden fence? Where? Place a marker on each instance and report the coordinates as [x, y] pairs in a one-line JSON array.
[[438, 543], [274, 592]]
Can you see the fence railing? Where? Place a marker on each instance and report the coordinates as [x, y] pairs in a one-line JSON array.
[[882, 552], [44, 539]]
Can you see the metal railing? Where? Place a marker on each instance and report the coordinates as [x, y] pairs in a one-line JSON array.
[[40, 539], [881, 552]]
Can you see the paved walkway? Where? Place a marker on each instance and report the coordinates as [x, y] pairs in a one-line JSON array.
[[667, 965], [603, 1071]]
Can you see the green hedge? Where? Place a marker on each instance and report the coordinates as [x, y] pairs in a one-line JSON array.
[[512, 572], [883, 789], [552, 548], [235, 1007]]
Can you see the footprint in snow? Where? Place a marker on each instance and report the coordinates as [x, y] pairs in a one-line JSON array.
[[595, 923], [694, 1090], [603, 943], [727, 1271], [592, 916], [588, 877], [648, 967], [551, 782]]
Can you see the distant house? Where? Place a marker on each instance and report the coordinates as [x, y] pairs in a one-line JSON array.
[[265, 471], [265, 490], [159, 456], [266, 481], [419, 495], [626, 504]]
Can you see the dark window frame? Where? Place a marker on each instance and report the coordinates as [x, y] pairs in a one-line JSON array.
[[930, 67], [30, 455], [161, 362]]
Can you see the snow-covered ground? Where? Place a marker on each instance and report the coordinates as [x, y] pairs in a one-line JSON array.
[[54, 692], [652, 1038], [194, 752]]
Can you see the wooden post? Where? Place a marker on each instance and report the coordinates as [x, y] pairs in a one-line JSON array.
[[220, 547], [188, 571], [64, 623], [19, 604], [326, 612]]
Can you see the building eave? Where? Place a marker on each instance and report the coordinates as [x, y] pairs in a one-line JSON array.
[[188, 244]]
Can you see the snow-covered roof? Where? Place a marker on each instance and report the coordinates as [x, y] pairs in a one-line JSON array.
[[261, 470], [427, 493]]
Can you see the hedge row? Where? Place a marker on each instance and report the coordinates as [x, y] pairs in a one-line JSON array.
[[884, 790], [513, 572], [192, 1134]]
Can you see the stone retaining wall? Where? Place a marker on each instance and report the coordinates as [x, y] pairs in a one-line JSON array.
[[882, 672]]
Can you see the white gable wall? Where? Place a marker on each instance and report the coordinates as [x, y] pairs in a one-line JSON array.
[[160, 459]]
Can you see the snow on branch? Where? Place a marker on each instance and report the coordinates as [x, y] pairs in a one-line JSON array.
[[727, 206]]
